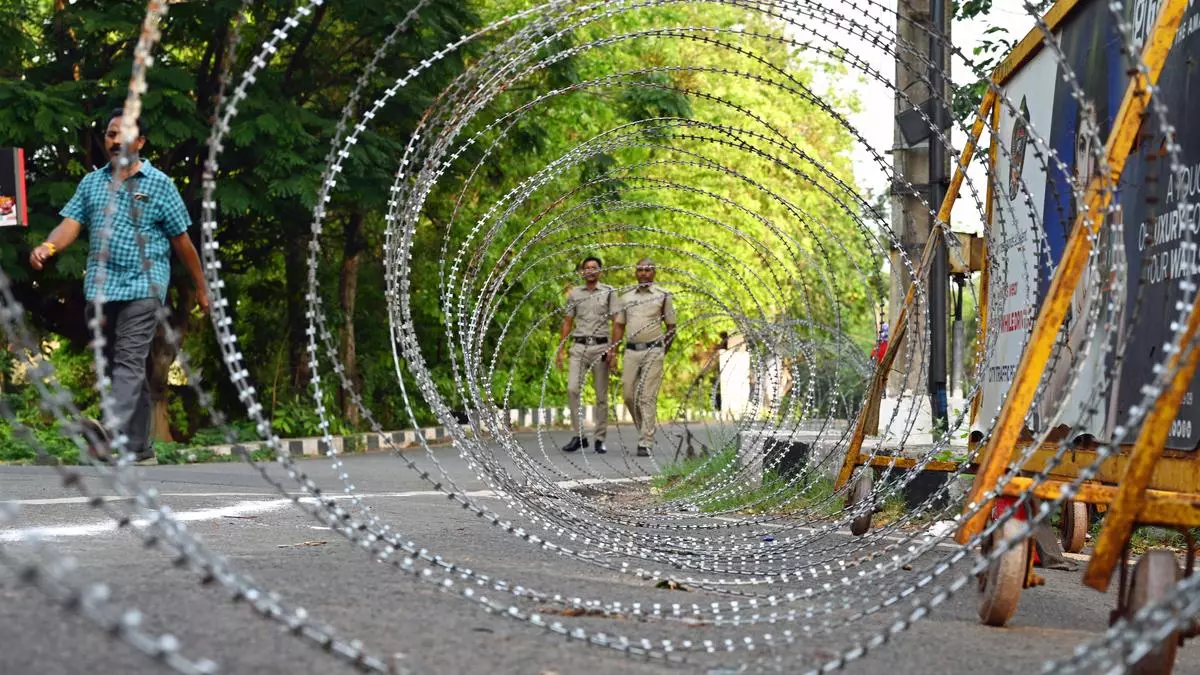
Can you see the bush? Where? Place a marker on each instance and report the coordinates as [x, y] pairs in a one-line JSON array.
[[12, 449], [178, 453]]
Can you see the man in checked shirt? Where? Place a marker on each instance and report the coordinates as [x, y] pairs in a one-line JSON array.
[[589, 310], [130, 279]]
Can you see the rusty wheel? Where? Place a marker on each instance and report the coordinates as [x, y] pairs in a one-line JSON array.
[[1154, 577], [1002, 582], [861, 492], [1073, 526]]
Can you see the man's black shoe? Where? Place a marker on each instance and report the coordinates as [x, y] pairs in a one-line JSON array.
[[574, 444], [599, 446], [643, 451], [98, 444]]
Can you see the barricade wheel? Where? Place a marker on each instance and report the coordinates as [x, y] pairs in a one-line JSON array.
[[1002, 582], [861, 492], [1074, 526], [1154, 577]]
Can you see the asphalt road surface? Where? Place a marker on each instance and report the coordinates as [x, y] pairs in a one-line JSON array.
[[265, 536]]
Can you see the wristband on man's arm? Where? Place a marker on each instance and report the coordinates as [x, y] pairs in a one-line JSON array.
[[52, 247]]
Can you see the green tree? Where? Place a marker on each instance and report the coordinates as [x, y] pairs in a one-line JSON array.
[[67, 64], [74, 61]]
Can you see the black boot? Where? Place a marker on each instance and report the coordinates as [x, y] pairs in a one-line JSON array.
[[599, 446], [575, 443]]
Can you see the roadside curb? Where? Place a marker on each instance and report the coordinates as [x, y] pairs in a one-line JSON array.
[[518, 419], [315, 445], [522, 420]]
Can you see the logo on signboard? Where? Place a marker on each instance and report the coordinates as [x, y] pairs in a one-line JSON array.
[[1016, 150]]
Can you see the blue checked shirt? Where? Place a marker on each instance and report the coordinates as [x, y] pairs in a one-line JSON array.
[[149, 211]]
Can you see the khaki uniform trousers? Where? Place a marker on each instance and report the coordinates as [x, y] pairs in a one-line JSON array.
[[640, 382], [582, 359]]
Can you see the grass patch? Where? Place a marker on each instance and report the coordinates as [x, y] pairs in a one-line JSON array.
[[689, 477], [178, 453], [780, 495], [893, 509], [777, 494], [1146, 538]]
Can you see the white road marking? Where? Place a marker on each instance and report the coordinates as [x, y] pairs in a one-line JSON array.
[[241, 509], [57, 501], [115, 498]]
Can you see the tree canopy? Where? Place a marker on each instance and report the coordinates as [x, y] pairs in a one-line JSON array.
[[692, 145]]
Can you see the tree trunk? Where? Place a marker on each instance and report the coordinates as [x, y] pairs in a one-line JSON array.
[[352, 249], [296, 269], [6, 365], [66, 40], [162, 355]]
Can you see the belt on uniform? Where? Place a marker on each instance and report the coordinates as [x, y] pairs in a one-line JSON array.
[[589, 341], [639, 346]]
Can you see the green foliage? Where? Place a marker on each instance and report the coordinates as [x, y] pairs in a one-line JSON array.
[[684, 478], [778, 495], [18, 448], [988, 54], [819, 265], [295, 418], [178, 453], [13, 449], [63, 70], [179, 417], [76, 372], [949, 456], [653, 98], [695, 479], [242, 432], [967, 9], [1146, 538], [893, 509]]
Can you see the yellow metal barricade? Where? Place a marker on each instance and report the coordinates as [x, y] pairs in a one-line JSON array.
[[1141, 483]]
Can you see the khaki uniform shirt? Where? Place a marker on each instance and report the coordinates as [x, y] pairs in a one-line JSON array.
[[591, 310], [643, 311]]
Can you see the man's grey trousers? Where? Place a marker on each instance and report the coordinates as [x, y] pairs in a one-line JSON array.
[[128, 330]]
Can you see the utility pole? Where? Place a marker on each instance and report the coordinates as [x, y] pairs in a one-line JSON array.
[[919, 158], [939, 272]]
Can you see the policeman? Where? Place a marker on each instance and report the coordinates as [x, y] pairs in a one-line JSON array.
[[639, 319], [589, 309]]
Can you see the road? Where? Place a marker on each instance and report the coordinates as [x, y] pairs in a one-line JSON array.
[[234, 512]]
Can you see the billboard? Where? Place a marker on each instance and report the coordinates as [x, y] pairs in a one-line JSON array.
[[14, 210], [1160, 209], [1034, 209]]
